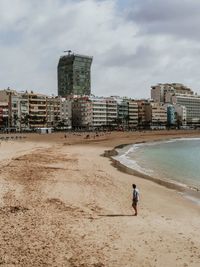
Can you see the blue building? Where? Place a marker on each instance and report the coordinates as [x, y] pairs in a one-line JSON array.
[[171, 115]]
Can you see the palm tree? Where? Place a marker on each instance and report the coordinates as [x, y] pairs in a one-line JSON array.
[[15, 120], [117, 121], [126, 119], [178, 120], [25, 120]]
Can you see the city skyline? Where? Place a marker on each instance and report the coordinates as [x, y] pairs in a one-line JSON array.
[[134, 43]]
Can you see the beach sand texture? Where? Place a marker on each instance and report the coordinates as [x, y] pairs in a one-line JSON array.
[[64, 204]]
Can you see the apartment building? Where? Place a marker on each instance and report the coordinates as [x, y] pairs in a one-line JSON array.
[[111, 111], [66, 112], [162, 93], [151, 114], [4, 119], [94, 112], [133, 114], [74, 76], [18, 108], [171, 115], [122, 112], [53, 111], [158, 115], [82, 113], [37, 110], [127, 112], [144, 113], [99, 112], [6, 96], [192, 105], [20, 111], [181, 114]]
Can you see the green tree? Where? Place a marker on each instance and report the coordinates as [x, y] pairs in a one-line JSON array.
[[15, 120]]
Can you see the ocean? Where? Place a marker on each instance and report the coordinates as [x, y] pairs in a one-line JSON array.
[[177, 160]]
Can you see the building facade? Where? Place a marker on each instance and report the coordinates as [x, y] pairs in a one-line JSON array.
[[37, 110], [20, 111], [123, 112], [66, 112], [82, 113], [111, 111], [74, 75], [53, 111], [192, 105], [99, 112], [133, 114], [158, 115], [171, 115], [162, 93], [144, 113], [4, 118]]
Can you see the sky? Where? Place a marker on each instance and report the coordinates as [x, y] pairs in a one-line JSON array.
[[134, 43]]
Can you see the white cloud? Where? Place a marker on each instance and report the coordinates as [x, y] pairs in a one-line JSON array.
[[131, 51]]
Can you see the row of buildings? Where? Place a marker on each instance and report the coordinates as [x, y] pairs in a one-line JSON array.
[[182, 103], [28, 111], [171, 105]]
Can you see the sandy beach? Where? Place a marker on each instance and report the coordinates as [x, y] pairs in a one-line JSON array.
[[62, 203]]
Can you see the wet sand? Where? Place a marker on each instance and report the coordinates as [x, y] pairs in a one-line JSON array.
[[189, 191], [64, 204]]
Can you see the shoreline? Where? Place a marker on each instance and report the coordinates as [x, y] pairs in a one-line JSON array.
[[190, 192]]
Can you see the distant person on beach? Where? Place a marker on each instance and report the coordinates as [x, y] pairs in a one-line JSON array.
[[135, 199]]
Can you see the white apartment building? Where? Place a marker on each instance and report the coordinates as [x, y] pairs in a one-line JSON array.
[[93, 112], [159, 114], [99, 112], [181, 112], [111, 109], [133, 113], [192, 105]]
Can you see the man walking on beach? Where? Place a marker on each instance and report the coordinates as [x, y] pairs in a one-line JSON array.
[[135, 199]]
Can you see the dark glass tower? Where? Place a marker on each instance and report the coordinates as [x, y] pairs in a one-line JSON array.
[[74, 75]]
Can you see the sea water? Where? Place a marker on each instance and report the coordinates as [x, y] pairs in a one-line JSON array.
[[175, 160]]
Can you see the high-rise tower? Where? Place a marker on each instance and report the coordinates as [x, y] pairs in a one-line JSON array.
[[74, 75]]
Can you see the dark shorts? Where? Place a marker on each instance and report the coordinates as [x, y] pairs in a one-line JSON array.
[[134, 203]]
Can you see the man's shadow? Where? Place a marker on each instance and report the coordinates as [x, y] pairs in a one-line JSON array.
[[115, 215]]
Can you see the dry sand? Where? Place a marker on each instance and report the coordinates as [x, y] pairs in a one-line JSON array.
[[63, 204]]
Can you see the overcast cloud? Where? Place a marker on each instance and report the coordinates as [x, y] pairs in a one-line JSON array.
[[134, 43]]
